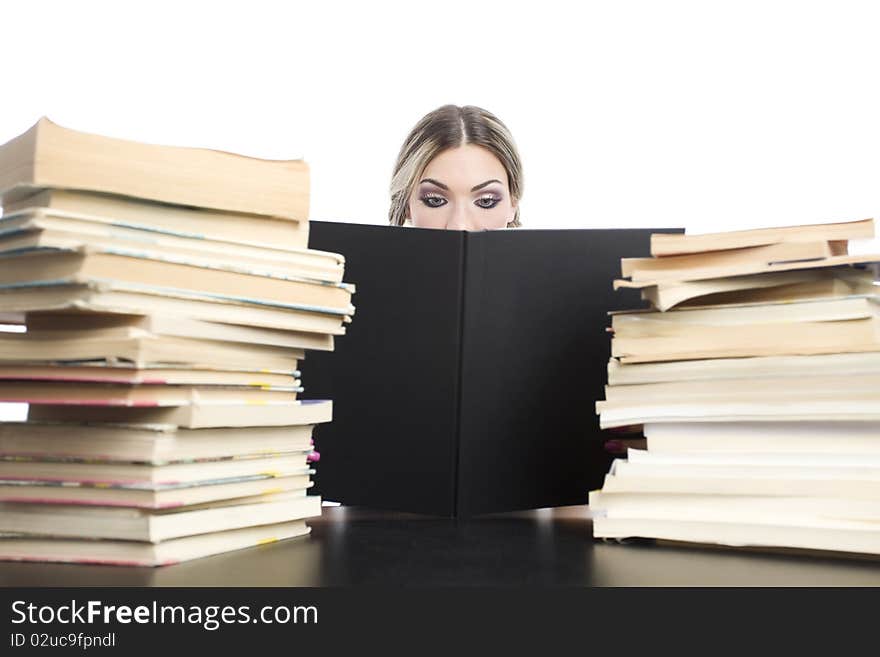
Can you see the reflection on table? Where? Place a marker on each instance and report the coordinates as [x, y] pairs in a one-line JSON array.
[[542, 547]]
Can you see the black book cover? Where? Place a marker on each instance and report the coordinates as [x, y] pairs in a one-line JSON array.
[[467, 381]]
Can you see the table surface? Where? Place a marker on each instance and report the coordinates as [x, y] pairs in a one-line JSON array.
[[352, 546]]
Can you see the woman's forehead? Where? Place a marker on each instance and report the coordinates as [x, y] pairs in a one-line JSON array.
[[462, 167]]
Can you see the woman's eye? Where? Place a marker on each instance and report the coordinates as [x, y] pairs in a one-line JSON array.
[[433, 201], [487, 202]]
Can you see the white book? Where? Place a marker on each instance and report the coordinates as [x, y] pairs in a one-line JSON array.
[[693, 480], [861, 438], [636, 469], [818, 512], [156, 444], [740, 534], [155, 526], [862, 408], [133, 553], [160, 497], [805, 459]]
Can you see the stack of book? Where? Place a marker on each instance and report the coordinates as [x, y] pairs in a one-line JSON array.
[[168, 296], [755, 379]]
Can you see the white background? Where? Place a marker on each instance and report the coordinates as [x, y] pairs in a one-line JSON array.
[[705, 115]]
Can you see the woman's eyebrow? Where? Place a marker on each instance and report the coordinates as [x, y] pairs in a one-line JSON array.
[[435, 182], [473, 189], [481, 185]]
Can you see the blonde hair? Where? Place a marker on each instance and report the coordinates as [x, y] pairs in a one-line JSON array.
[[447, 127]]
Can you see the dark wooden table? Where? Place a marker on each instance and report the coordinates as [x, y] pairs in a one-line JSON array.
[[544, 547]]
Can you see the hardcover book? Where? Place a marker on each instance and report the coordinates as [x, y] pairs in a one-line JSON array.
[[475, 363]]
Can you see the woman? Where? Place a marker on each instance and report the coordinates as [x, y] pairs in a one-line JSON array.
[[458, 169]]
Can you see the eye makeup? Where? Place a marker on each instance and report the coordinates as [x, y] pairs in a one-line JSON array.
[[485, 201], [488, 201], [432, 199]]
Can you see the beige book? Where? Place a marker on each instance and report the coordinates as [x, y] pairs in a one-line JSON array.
[[198, 222], [50, 156], [743, 368], [84, 265], [133, 553], [100, 394], [156, 444], [113, 297], [141, 348], [153, 498], [664, 295], [803, 286], [195, 416], [55, 324], [112, 373], [678, 244], [807, 310], [735, 271], [706, 265], [154, 476], [746, 388], [776, 287], [701, 342], [45, 229], [780, 404]]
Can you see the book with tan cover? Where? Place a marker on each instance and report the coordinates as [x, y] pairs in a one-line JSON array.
[[203, 223], [791, 281], [668, 245], [50, 229], [694, 266], [193, 416], [102, 296], [53, 266], [51, 156]]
